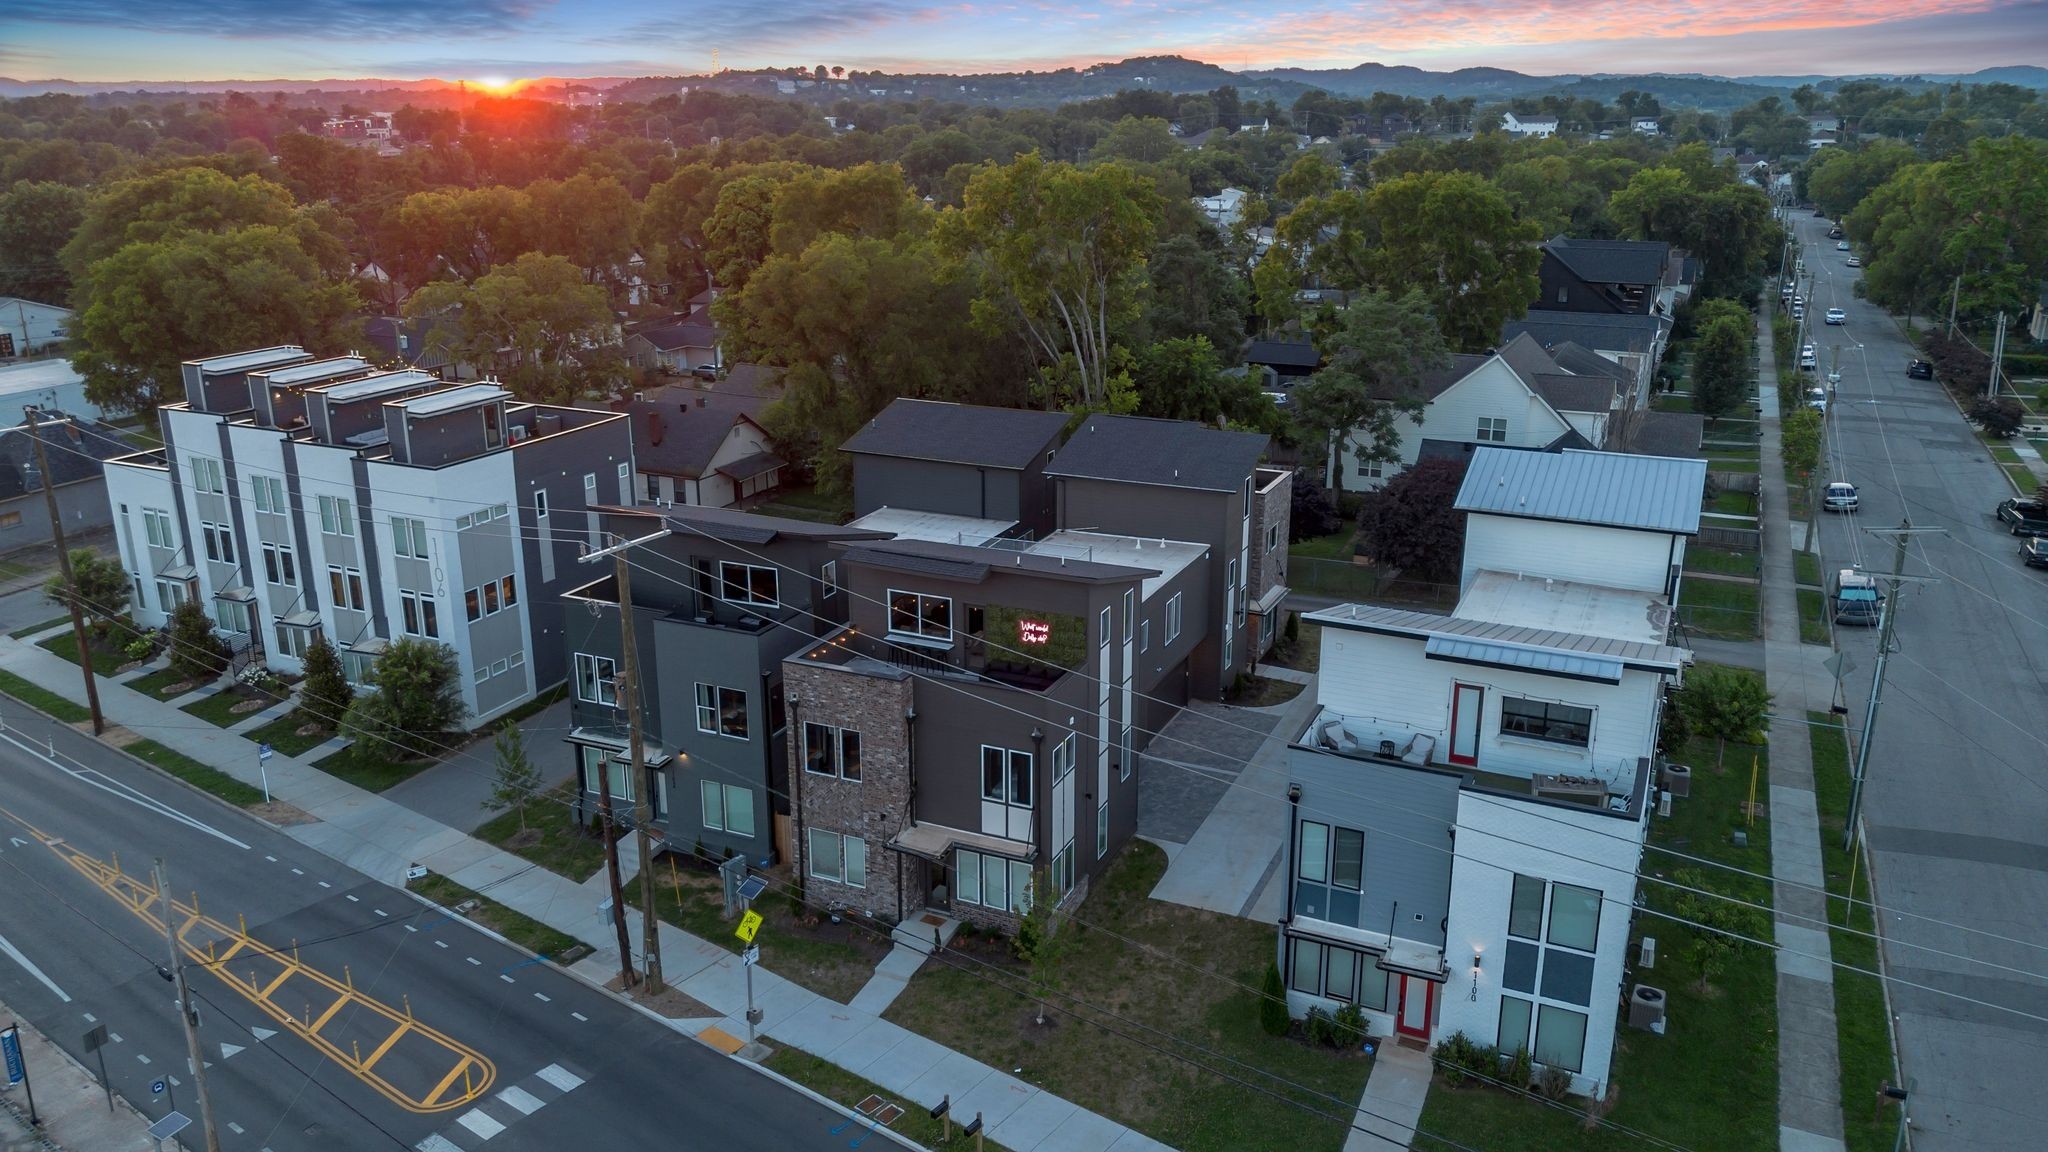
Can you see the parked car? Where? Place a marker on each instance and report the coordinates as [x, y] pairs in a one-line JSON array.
[[1798, 312], [1920, 370], [2024, 517], [1799, 299], [1842, 246], [1857, 600], [2034, 550], [1807, 363], [1839, 496], [1855, 261], [1837, 316], [1817, 399], [705, 371], [1835, 233]]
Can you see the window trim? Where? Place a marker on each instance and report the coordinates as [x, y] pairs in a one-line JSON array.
[[716, 709], [602, 685], [844, 874], [1172, 618], [724, 792], [835, 747], [921, 602], [726, 584], [1543, 715]]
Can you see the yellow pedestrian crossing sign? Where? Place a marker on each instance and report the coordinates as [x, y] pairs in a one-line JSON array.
[[749, 924]]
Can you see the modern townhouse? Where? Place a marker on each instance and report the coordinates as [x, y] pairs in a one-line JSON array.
[[719, 598], [298, 497], [1468, 805], [959, 460]]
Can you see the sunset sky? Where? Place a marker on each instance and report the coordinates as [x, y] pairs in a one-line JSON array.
[[471, 39]]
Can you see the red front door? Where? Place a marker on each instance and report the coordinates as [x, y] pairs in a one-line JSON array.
[[1468, 701], [1418, 1004]]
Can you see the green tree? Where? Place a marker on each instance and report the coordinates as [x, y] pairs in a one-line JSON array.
[[465, 231], [36, 220], [1059, 254], [1376, 354], [416, 702], [1720, 367], [587, 220], [325, 696], [516, 779], [1273, 1019], [1193, 293], [1141, 140], [1413, 522], [156, 303], [1725, 703], [1801, 430], [99, 584], [196, 653], [1183, 379], [534, 323], [1044, 939], [176, 201]]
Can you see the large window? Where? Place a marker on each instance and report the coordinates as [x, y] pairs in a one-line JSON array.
[[1332, 856], [992, 881], [607, 770], [345, 587], [749, 584], [1173, 618], [1540, 720], [490, 597], [1349, 975], [280, 566], [220, 542], [1493, 429], [1553, 930], [1006, 776], [337, 518], [722, 711], [422, 617], [837, 857], [157, 523], [409, 537], [597, 679], [830, 751], [269, 491], [206, 474], [915, 614], [728, 808]]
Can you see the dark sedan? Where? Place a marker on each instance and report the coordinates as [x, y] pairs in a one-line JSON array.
[[1920, 370], [2035, 552]]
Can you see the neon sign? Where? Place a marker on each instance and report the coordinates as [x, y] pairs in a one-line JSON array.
[[1034, 631]]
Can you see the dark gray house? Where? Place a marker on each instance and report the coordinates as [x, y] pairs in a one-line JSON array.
[[718, 603], [77, 451], [957, 459], [1613, 276]]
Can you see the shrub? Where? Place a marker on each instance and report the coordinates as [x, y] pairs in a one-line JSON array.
[[196, 652], [1518, 1069], [142, 647], [1293, 627], [1320, 1029], [1272, 1003], [1312, 513], [1413, 523], [1999, 418], [1554, 1083], [325, 696], [1459, 1056], [1349, 1026]]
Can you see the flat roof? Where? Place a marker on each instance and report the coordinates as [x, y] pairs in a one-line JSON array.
[[912, 524], [1426, 625], [1164, 558], [448, 400], [35, 375], [250, 361], [378, 385], [317, 371], [1566, 606]]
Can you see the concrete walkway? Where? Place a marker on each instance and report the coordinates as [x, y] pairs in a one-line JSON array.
[[380, 838], [72, 1106], [457, 790], [1391, 1108], [1809, 1070]]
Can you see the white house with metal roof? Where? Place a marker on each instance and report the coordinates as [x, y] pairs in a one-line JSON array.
[[1470, 799]]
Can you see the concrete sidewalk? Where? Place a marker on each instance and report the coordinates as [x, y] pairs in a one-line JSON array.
[[1391, 1109], [1809, 1069], [381, 838], [69, 1101]]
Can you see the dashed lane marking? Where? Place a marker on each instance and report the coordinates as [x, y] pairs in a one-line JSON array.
[[272, 859], [480, 1122], [474, 960], [542, 997], [142, 1056], [380, 912], [580, 1016], [354, 899], [298, 871], [507, 979], [234, 1127], [437, 1143], [325, 884], [440, 943], [526, 1102]]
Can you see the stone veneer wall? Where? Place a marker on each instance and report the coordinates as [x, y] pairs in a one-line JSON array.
[[873, 809], [1275, 506]]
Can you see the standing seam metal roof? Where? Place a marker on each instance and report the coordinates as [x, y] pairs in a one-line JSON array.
[[1650, 493]]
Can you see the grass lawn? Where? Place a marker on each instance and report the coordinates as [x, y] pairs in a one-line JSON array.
[[1805, 568], [154, 683], [551, 839], [64, 644], [1813, 616], [1862, 1032], [282, 734], [1670, 402], [1725, 464], [805, 503], [1719, 608], [1335, 546], [1733, 503], [973, 1004], [831, 1080], [218, 708], [1264, 692], [373, 773], [45, 626], [2022, 478], [834, 960], [517, 927], [1304, 653], [1721, 561], [196, 774], [37, 696], [2003, 452], [1339, 578], [1710, 1084]]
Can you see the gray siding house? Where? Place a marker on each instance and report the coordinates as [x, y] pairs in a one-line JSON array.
[[957, 459]]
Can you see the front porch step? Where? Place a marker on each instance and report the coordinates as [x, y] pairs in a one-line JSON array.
[[916, 932]]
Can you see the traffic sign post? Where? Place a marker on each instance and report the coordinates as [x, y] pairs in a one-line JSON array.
[[17, 1069], [263, 768], [96, 1043], [749, 927]]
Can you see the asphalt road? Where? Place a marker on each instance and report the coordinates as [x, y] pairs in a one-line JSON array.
[[568, 1066], [1957, 800]]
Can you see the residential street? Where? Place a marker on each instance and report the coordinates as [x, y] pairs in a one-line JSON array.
[[560, 1063], [1957, 799]]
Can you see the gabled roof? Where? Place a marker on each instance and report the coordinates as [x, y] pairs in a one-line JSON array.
[[680, 439], [76, 450], [1527, 358], [1646, 433], [1612, 261], [1435, 382], [1647, 493], [1283, 354], [1567, 393], [958, 433], [1168, 453], [1580, 360], [1600, 331], [690, 333]]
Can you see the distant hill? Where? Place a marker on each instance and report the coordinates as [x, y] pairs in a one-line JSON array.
[[2024, 75], [1402, 80]]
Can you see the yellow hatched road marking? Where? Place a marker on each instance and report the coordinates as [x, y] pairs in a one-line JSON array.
[[471, 1067]]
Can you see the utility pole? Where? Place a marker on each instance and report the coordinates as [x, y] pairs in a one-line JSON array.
[[187, 1015], [1997, 355], [92, 691], [1954, 294], [1888, 620], [627, 977], [643, 810]]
